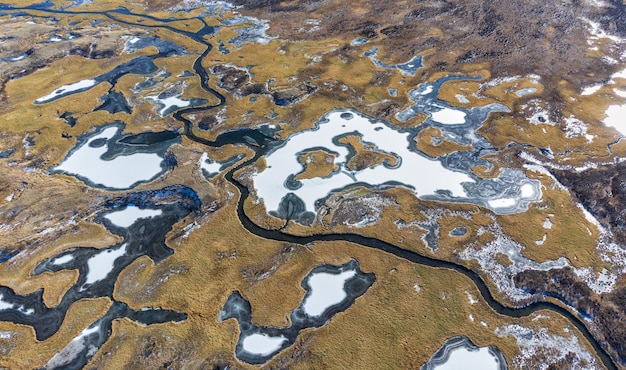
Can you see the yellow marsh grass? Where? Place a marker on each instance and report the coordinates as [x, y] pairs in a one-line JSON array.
[[365, 154], [317, 163], [394, 321], [425, 143]]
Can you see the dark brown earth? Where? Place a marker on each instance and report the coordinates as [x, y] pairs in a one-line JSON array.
[[607, 311], [514, 37], [602, 191]]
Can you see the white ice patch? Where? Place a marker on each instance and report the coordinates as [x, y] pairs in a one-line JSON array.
[[168, 103], [10, 306], [126, 217], [502, 203], [427, 90], [84, 84], [6, 335], [543, 240], [326, 290], [462, 98], [212, 167], [547, 224], [598, 33], [18, 58], [449, 116], [620, 74], [616, 118], [262, 344], [619, 92], [590, 90], [4, 305], [61, 260], [99, 266], [471, 298], [120, 173], [527, 191], [475, 359], [86, 332]]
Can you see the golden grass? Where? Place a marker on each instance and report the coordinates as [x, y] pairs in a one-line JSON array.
[[21, 115], [365, 154], [424, 141], [450, 89], [571, 235], [394, 321], [317, 163]]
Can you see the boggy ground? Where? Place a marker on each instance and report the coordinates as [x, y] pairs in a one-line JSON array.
[[409, 305], [396, 319], [606, 310], [514, 37]]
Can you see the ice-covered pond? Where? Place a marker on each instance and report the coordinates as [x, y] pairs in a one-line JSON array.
[[326, 290], [262, 344], [167, 104], [67, 90], [139, 65]]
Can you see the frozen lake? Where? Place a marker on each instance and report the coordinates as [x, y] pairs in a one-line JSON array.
[[100, 265], [330, 290], [211, 167], [449, 179], [167, 105], [616, 118], [410, 170]]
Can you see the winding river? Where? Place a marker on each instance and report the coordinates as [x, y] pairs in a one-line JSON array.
[[239, 137]]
